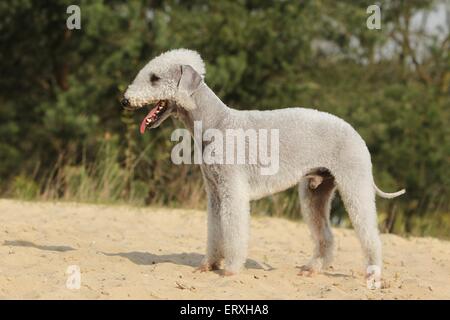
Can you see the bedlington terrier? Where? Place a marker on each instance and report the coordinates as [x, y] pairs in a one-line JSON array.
[[318, 152]]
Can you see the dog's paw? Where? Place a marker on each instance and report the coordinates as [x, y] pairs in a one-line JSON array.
[[207, 266], [228, 273], [203, 268], [308, 271], [313, 267], [231, 268], [373, 277]]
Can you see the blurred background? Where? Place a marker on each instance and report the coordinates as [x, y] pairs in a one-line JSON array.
[[64, 136]]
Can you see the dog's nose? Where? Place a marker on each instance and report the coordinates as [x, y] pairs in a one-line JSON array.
[[125, 102]]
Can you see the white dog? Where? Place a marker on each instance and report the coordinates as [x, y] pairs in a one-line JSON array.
[[317, 151]]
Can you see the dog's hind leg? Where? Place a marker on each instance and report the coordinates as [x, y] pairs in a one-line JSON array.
[[358, 195], [315, 207]]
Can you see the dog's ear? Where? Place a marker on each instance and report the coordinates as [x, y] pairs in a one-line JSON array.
[[189, 79], [188, 82]]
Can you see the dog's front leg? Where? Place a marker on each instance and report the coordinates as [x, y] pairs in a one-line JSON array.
[[234, 217], [228, 219], [214, 246], [228, 231]]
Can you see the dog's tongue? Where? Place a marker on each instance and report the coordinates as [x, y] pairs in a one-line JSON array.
[[151, 114]]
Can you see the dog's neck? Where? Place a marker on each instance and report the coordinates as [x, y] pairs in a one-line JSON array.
[[210, 110]]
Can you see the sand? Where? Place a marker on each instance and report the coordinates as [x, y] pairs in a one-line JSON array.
[[151, 253]]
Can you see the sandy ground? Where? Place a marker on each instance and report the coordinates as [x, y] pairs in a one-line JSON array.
[[150, 253]]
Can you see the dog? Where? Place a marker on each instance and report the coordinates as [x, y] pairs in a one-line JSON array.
[[319, 152]]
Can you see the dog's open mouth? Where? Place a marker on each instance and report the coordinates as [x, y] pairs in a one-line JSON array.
[[154, 115]]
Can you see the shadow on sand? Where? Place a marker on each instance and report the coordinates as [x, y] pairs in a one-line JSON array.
[[29, 244], [191, 259]]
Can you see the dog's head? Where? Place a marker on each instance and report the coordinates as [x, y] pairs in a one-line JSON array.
[[167, 82]]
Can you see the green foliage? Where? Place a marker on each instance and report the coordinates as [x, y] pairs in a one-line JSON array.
[[103, 180], [24, 188], [63, 134]]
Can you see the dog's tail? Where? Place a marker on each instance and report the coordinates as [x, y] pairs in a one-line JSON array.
[[387, 195]]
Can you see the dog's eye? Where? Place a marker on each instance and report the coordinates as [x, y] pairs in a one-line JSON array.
[[154, 78]]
